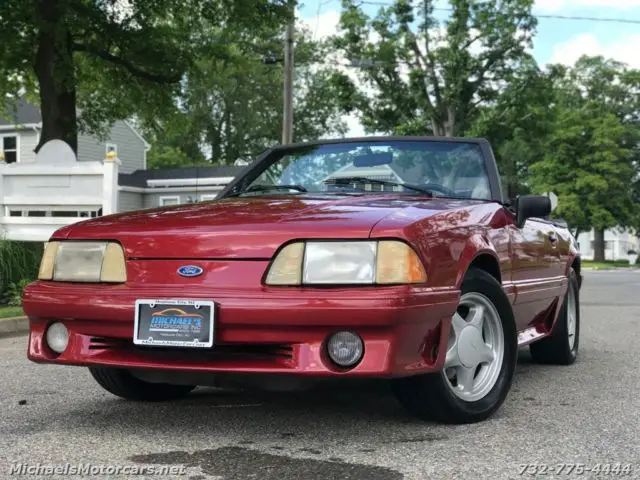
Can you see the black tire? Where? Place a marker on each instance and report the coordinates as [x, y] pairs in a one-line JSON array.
[[122, 384], [430, 398], [555, 349]]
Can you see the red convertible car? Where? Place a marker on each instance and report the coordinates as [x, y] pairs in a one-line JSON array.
[[387, 257]]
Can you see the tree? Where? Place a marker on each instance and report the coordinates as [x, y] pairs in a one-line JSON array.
[[434, 79], [109, 58], [591, 152], [589, 169], [517, 125], [591, 158], [231, 107]]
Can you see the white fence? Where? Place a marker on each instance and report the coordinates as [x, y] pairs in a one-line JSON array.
[[56, 190]]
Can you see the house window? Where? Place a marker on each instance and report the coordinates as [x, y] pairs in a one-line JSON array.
[[36, 213], [111, 147], [9, 147], [54, 213], [166, 201], [206, 198]]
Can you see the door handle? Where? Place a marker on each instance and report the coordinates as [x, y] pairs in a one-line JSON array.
[[553, 238]]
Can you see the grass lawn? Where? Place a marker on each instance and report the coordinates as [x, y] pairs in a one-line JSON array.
[[8, 312], [607, 264]]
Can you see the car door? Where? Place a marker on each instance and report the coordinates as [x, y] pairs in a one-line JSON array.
[[535, 269], [560, 247]]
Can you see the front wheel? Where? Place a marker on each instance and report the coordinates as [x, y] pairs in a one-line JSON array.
[[480, 359], [122, 384]]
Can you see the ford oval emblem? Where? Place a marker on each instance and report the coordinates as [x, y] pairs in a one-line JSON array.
[[190, 271]]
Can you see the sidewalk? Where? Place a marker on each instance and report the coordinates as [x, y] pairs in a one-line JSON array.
[[10, 326]]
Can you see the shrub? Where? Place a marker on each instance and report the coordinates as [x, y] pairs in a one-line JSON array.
[[15, 292], [19, 263]]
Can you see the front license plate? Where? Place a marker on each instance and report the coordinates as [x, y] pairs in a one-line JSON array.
[[174, 323]]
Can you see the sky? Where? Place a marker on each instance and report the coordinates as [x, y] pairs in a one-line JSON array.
[[557, 40]]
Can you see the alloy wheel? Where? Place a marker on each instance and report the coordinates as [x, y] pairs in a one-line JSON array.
[[475, 349]]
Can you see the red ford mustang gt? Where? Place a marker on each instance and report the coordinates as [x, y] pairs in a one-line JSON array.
[[386, 257]]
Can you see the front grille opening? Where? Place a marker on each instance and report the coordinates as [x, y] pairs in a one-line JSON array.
[[251, 351]]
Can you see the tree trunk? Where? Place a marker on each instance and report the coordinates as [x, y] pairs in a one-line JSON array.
[[214, 137], [512, 189], [54, 68], [230, 150], [450, 125], [598, 245], [437, 128]]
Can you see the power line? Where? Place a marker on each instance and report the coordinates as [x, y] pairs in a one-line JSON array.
[[543, 16], [591, 19]]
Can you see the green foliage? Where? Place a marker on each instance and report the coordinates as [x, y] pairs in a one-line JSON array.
[[232, 106], [113, 59], [606, 265], [591, 153], [166, 156], [588, 167], [19, 263], [517, 124], [16, 292], [19, 260], [9, 312], [433, 78]]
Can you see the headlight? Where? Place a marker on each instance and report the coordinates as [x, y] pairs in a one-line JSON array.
[[83, 262], [339, 262], [346, 262]]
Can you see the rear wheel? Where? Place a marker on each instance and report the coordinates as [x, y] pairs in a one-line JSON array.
[[561, 347], [480, 359], [122, 384]]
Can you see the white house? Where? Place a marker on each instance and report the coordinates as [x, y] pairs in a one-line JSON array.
[[616, 244], [20, 128], [42, 192]]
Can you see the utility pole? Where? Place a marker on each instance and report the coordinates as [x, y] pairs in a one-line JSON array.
[[287, 120]]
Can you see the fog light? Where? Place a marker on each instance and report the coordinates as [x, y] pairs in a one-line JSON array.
[[57, 337], [345, 348]]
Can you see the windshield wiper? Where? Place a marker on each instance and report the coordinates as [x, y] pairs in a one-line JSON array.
[[348, 180], [266, 188]]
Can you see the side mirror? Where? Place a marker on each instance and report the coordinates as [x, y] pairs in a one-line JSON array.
[[531, 206]]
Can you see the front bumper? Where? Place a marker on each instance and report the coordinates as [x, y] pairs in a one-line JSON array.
[[267, 330]]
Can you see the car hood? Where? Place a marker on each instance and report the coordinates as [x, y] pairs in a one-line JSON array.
[[246, 228]]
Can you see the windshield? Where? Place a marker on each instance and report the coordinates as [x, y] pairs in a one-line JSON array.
[[450, 169]]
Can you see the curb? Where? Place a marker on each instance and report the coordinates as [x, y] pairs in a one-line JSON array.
[[622, 269], [9, 326]]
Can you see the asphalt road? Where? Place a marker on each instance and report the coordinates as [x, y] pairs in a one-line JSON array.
[[585, 414]]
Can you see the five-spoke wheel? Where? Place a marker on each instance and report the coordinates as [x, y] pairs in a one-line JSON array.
[[479, 362], [475, 349]]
